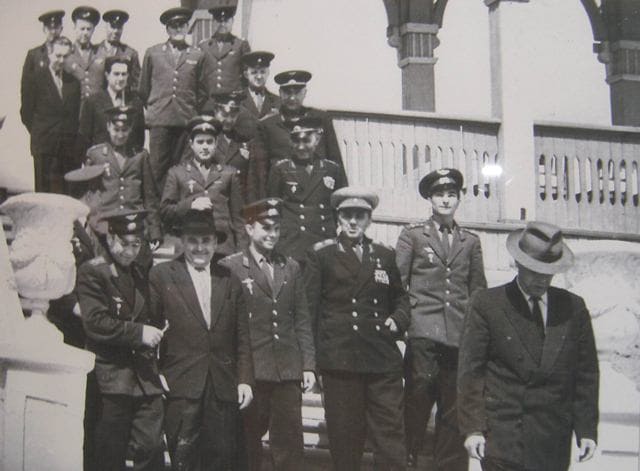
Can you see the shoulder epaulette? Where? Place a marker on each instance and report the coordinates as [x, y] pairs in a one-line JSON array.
[[384, 245], [335, 164], [97, 147], [324, 243], [269, 115], [414, 225], [97, 260], [281, 161], [467, 231]]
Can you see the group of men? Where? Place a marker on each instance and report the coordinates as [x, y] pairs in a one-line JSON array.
[[277, 287]]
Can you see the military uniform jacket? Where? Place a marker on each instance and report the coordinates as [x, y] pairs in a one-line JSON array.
[[307, 216], [190, 351], [89, 69], [172, 86], [350, 301], [439, 287], [526, 393], [128, 186], [93, 120], [51, 120], [279, 324], [104, 50], [223, 70], [114, 312], [185, 183], [270, 104]]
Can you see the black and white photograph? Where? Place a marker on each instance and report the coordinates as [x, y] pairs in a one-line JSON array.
[[320, 235]]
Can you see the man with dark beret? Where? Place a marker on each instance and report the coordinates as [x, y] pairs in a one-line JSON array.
[[114, 304], [441, 266], [255, 69], [224, 52], [84, 62], [114, 21], [173, 90]]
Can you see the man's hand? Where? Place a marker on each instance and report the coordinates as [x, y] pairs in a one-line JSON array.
[[245, 395], [244, 152], [154, 244], [76, 310], [475, 446], [587, 449], [308, 381], [201, 203], [391, 324], [151, 336]]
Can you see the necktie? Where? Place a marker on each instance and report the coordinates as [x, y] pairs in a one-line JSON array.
[[445, 230], [537, 314], [204, 295], [357, 249], [265, 266]]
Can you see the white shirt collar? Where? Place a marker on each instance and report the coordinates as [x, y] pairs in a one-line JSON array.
[[257, 256]]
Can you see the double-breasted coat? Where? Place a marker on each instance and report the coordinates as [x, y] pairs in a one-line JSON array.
[[115, 308], [525, 393], [191, 352], [279, 323], [350, 301], [172, 85], [270, 104], [439, 286], [105, 49], [307, 216], [223, 69], [185, 183], [87, 68]]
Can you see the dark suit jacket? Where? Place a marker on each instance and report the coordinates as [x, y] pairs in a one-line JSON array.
[[51, 120], [281, 339], [307, 216], [270, 104], [185, 183], [36, 59], [528, 395], [350, 302], [223, 67], [439, 287], [113, 314], [190, 352], [93, 120]]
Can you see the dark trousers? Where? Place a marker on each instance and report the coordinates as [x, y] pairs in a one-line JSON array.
[[276, 407], [49, 170], [92, 405], [492, 464], [165, 144], [358, 405], [202, 433], [129, 422], [430, 378]]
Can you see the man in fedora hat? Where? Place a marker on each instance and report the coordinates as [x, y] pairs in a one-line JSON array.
[[528, 371], [441, 264], [206, 353]]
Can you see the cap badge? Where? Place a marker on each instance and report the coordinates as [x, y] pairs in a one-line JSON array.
[[329, 182], [443, 171], [191, 183]]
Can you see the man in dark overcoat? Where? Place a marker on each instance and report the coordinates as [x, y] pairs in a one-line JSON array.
[[359, 309], [206, 353], [49, 111], [441, 266], [114, 304], [281, 340], [528, 372], [258, 101]]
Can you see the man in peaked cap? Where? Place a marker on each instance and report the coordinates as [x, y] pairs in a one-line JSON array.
[[93, 117], [114, 21], [84, 62], [114, 304], [203, 184], [224, 52], [528, 368], [273, 141], [255, 69], [38, 57], [173, 89], [206, 353], [441, 265], [359, 309], [305, 183], [281, 339]]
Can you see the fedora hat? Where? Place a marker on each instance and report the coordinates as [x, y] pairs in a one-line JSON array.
[[539, 247]]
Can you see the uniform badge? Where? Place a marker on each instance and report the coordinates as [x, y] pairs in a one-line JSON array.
[[430, 253], [381, 276], [293, 186], [118, 302], [191, 183], [107, 170], [249, 284], [329, 182]]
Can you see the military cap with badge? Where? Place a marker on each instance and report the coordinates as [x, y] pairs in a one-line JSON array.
[[354, 197], [257, 59], [268, 208], [52, 19], [293, 78], [204, 124], [116, 18], [89, 14], [176, 16], [441, 179]]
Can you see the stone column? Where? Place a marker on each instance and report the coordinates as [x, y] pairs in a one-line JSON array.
[[511, 103], [415, 57], [623, 77]]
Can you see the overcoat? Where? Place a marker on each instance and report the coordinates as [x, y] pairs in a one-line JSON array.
[[190, 351], [439, 286], [279, 323], [528, 394]]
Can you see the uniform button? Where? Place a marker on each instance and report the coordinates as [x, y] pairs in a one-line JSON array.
[[355, 327], [175, 72], [276, 336], [353, 301], [174, 95], [447, 303], [275, 324], [321, 206], [448, 269], [302, 228], [250, 315], [274, 312], [448, 280], [219, 62], [354, 314], [447, 292], [302, 216], [302, 205], [375, 314], [377, 327], [121, 197], [121, 207], [87, 79], [375, 301], [121, 179], [321, 217], [121, 188], [218, 85]]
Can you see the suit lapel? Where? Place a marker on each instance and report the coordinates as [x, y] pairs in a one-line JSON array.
[[556, 331], [259, 277], [188, 291], [219, 288], [278, 274], [53, 89], [434, 240], [520, 317], [182, 57], [366, 267], [457, 243], [195, 176]]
